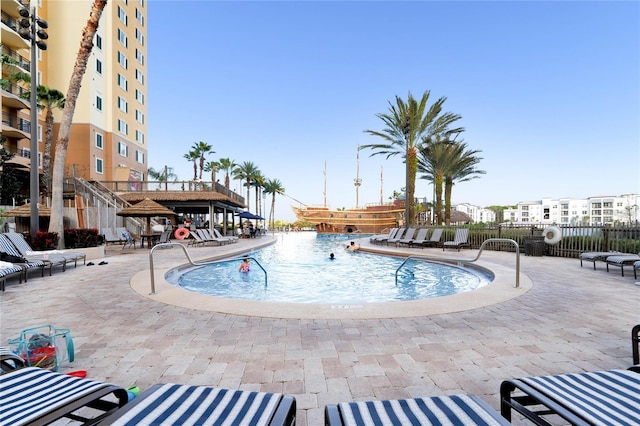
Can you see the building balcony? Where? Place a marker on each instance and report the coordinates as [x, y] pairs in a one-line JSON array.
[[11, 97], [14, 126], [10, 36], [21, 62]]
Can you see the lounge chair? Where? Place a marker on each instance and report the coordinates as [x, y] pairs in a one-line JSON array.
[[636, 267], [110, 237], [438, 410], [597, 256], [9, 270], [23, 247], [408, 237], [621, 260], [6, 246], [33, 395], [400, 235], [217, 234], [172, 404], [9, 361], [460, 239], [602, 397], [434, 241], [374, 238], [206, 237], [419, 238], [635, 347]]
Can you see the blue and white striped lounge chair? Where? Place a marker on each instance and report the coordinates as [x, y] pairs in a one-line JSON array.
[[25, 249], [9, 270], [596, 256], [460, 239], [438, 410], [621, 260], [6, 246], [184, 405], [38, 396], [9, 361], [592, 398]]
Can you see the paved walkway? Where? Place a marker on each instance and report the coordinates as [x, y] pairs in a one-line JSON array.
[[572, 319]]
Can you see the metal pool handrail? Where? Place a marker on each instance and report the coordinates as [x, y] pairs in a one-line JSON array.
[[186, 252], [461, 262]]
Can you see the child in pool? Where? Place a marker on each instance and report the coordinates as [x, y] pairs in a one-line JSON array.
[[245, 266]]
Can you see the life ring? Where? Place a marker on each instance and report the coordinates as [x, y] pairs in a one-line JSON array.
[[552, 235], [181, 233]]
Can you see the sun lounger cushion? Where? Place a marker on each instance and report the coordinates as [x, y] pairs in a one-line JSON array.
[[172, 404], [603, 397], [439, 410], [29, 394]]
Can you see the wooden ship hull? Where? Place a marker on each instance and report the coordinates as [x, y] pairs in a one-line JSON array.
[[371, 219]]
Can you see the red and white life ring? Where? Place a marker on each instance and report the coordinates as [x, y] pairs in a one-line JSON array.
[[552, 235], [181, 233]]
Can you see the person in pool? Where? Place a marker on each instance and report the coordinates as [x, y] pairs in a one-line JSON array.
[[245, 266], [332, 256], [352, 246]]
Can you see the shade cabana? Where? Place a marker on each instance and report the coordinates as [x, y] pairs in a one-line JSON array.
[[146, 208]]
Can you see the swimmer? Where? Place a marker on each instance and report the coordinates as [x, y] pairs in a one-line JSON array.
[[353, 246], [332, 256], [245, 266]]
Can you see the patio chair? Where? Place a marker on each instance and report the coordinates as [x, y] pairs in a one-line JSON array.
[[597, 256], [172, 404], [408, 236], [34, 395], [438, 410], [6, 246], [128, 239], [419, 238], [460, 239], [622, 260], [601, 397], [23, 247], [400, 235], [9, 270], [434, 241], [110, 236], [9, 361]]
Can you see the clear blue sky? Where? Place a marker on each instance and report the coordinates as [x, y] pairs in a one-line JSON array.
[[548, 91]]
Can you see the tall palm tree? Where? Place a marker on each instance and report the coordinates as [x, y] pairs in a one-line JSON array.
[[193, 156], [202, 148], [227, 165], [246, 172], [273, 187], [212, 166], [162, 175], [56, 222], [405, 125], [257, 182], [433, 159], [462, 168]]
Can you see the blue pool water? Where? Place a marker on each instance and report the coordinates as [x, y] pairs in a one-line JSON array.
[[299, 270]]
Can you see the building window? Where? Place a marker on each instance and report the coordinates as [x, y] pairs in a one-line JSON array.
[[122, 16], [99, 141], [139, 137], [139, 76], [139, 56], [98, 66], [98, 103], [139, 117], [122, 60], [98, 41], [123, 105], [39, 160], [99, 166], [140, 37], [123, 127], [139, 96], [123, 83], [39, 133], [140, 157], [122, 37], [123, 149], [139, 17]]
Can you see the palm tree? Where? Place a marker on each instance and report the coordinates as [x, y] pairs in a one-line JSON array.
[[433, 160], [56, 223], [162, 175], [212, 166], [461, 168], [227, 165], [193, 156], [273, 187], [257, 182], [202, 148], [246, 171], [405, 125]]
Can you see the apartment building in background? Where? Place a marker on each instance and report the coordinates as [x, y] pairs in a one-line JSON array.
[[108, 135], [596, 210]]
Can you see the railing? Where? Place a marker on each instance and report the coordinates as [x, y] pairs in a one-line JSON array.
[[183, 185], [191, 262], [21, 61], [462, 262], [12, 120]]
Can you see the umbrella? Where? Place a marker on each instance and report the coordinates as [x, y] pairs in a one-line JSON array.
[[25, 211], [146, 208], [249, 215]]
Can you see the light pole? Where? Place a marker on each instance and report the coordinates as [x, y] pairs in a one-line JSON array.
[[33, 28]]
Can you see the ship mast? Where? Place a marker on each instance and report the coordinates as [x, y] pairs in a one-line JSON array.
[[381, 186], [357, 181], [325, 184]]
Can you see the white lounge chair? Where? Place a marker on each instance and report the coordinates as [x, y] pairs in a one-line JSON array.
[[460, 239]]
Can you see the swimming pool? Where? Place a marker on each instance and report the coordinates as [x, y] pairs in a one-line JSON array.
[[300, 271]]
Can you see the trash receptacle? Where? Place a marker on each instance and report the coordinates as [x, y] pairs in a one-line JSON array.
[[534, 245]]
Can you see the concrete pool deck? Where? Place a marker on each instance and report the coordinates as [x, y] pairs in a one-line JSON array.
[[570, 319]]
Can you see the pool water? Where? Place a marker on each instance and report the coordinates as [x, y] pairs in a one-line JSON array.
[[299, 270]]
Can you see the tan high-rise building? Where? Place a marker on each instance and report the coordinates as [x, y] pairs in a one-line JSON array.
[[108, 139]]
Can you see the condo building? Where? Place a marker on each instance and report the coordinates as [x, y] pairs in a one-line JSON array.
[[108, 133]]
